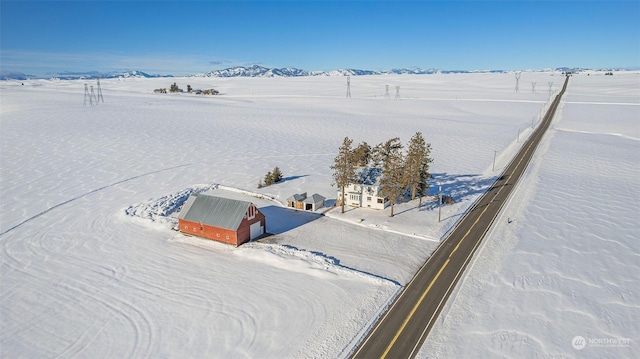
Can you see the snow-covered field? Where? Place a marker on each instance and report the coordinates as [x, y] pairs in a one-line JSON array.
[[91, 268], [562, 280]]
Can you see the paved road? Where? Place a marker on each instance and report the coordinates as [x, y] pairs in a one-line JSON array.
[[403, 328]]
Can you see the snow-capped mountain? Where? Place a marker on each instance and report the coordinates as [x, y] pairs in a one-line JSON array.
[[260, 71], [256, 71]]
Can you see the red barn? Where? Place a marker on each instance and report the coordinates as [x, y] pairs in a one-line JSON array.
[[221, 219]]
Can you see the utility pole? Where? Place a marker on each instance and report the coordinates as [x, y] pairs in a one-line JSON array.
[[494, 160], [439, 200]]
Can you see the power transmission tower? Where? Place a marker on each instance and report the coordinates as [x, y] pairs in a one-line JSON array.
[[88, 95], [550, 88], [93, 95], [518, 81], [397, 92], [533, 87], [386, 91], [99, 93], [348, 86]]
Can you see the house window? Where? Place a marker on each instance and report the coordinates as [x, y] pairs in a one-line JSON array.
[[380, 200], [368, 199], [251, 212]]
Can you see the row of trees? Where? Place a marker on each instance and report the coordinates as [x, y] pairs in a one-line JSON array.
[[402, 171], [174, 88]]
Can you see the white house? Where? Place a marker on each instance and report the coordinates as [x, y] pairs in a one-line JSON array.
[[365, 193]]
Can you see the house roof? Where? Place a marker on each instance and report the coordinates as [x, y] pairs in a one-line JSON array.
[[298, 197], [214, 211], [369, 176]]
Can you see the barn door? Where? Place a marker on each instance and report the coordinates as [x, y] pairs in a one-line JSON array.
[[256, 230]]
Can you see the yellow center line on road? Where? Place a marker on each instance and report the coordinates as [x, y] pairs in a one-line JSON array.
[[415, 307], [478, 219], [424, 294]]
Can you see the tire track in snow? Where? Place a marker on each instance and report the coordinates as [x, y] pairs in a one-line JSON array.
[[88, 193], [137, 320], [106, 307]]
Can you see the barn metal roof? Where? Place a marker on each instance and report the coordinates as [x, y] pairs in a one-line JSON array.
[[214, 211]]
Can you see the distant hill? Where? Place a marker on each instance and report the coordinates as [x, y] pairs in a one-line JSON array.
[[69, 75], [105, 75], [11, 75]]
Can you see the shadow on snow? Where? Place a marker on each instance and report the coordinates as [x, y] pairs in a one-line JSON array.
[[335, 261], [460, 187], [283, 219]]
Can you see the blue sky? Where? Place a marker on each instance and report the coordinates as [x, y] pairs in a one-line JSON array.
[[188, 37]]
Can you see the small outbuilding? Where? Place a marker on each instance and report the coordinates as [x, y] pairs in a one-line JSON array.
[[302, 201], [221, 219]]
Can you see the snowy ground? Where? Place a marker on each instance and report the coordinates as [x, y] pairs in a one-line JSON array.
[[90, 266], [568, 265]]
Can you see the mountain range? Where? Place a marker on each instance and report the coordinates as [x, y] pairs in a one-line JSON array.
[[260, 71]]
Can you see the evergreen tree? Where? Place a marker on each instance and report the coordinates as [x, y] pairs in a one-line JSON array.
[[268, 179], [392, 161], [362, 154], [276, 175], [343, 167], [272, 177], [416, 169], [174, 88], [425, 176]]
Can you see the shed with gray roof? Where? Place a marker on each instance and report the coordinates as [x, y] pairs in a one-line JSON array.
[[308, 203], [221, 219]]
